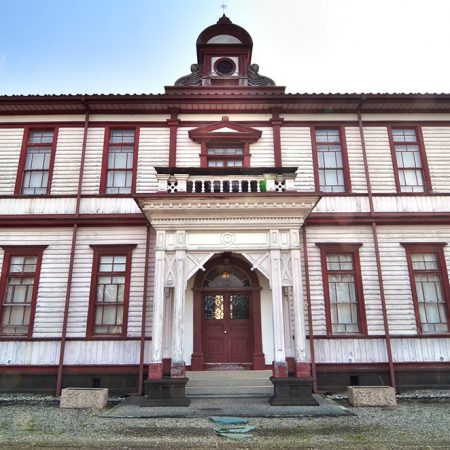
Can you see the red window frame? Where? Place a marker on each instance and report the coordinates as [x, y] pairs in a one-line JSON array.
[[10, 252], [109, 250], [422, 248], [105, 161], [343, 249], [224, 157], [420, 144], [345, 169], [18, 189]]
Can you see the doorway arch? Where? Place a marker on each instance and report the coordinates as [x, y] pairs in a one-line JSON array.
[[227, 315]]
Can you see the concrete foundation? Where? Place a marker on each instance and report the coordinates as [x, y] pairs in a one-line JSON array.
[[165, 392]]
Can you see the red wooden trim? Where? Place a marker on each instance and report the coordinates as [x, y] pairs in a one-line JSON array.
[[100, 250], [315, 159], [276, 123], [23, 250], [173, 123], [423, 156], [135, 160], [343, 248], [429, 247], [23, 157]]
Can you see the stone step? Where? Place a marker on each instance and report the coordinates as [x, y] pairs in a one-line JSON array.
[[199, 382], [228, 374], [227, 391], [229, 383]]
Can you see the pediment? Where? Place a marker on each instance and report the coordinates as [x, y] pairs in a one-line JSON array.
[[225, 131]]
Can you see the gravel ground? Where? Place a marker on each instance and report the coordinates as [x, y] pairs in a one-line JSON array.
[[39, 423]]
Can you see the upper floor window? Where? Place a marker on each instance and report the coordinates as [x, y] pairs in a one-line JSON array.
[[18, 289], [330, 158], [221, 156], [343, 291], [411, 174], [429, 286], [35, 167], [120, 157], [110, 289]]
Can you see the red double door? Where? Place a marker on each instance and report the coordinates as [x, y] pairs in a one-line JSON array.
[[227, 327]]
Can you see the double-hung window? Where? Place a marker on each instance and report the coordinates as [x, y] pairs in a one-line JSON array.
[[34, 177], [110, 289], [343, 291], [18, 290], [411, 173], [330, 158], [222, 156], [120, 157], [429, 286]]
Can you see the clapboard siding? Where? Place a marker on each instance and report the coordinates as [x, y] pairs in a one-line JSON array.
[[93, 161], [397, 284], [421, 350], [355, 159], [297, 152], [153, 152], [28, 353], [437, 149], [19, 206], [412, 203], [368, 271], [211, 118], [379, 159], [53, 279], [188, 151], [342, 205], [81, 282], [344, 351], [67, 161], [129, 117], [262, 150], [10, 145], [108, 205]]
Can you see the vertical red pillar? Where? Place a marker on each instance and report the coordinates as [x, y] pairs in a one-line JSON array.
[[173, 124], [276, 122]]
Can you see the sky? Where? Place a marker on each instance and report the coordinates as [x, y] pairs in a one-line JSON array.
[[140, 46]]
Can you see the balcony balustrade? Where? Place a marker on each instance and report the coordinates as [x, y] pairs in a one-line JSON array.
[[225, 184]]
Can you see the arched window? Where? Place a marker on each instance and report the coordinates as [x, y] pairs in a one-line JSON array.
[[226, 276]]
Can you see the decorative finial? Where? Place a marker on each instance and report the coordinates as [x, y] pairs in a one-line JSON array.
[[224, 7]]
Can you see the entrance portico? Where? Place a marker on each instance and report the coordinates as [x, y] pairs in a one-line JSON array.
[[262, 232]]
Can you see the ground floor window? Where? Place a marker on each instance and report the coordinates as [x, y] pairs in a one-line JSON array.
[[18, 289], [110, 289], [429, 286], [343, 292]]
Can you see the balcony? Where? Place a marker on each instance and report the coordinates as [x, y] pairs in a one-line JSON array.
[[226, 184]]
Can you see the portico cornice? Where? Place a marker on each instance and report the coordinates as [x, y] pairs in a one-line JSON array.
[[227, 212]]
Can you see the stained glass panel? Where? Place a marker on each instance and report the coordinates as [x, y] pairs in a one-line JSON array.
[[239, 307], [213, 307]]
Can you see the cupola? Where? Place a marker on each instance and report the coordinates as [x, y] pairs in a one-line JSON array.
[[224, 53]]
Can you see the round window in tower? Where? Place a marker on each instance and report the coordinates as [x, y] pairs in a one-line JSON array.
[[225, 66]]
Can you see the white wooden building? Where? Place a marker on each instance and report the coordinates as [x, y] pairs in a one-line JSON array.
[[224, 224]]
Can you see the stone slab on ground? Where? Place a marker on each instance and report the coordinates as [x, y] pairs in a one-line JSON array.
[[92, 398], [238, 407], [372, 396]]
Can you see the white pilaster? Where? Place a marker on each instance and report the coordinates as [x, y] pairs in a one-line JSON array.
[[298, 307], [178, 307], [277, 305], [158, 307]]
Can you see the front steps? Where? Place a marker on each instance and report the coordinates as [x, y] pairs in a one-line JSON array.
[[229, 383]]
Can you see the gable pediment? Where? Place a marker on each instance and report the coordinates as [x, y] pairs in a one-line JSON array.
[[225, 131]]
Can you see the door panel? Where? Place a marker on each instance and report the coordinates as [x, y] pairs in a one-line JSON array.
[[227, 328]]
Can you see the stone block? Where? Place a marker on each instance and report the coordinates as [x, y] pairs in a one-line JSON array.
[[372, 396], [94, 398], [292, 391], [165, 392]]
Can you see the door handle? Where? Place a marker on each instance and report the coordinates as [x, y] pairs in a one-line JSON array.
[[225, 332]]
